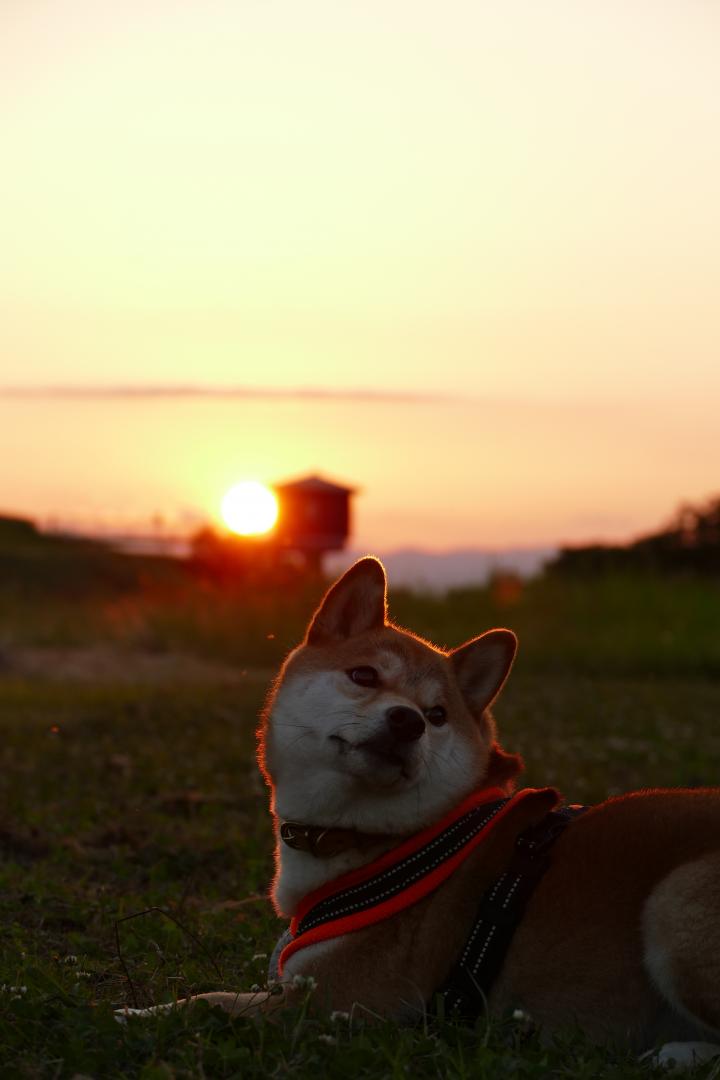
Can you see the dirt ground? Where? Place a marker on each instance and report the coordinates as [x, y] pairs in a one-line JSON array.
[[104, 664]]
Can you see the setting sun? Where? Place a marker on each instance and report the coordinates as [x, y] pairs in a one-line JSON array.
[[249, 508]]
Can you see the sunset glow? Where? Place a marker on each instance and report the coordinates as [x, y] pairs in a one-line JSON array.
[[249, 508], [463, 257]]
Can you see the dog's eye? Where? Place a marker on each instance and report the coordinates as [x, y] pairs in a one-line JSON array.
[[436, 715], [364, 676]]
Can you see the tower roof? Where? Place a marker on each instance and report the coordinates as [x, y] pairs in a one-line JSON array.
[[315, 484]]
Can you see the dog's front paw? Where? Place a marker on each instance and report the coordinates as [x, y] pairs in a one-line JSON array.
[[682, 1055]]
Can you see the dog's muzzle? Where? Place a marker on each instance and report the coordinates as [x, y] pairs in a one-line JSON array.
[[395, 742]]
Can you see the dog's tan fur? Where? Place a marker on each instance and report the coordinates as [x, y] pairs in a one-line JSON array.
[[622, 935], [625, 881]]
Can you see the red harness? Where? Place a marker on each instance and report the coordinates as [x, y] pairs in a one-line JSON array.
[[400, 877]]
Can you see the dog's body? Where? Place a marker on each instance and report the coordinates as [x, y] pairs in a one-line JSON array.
[[374, 731]]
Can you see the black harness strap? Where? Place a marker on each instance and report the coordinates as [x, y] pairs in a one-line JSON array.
[[501, 907], [402, 874], [464, 994]]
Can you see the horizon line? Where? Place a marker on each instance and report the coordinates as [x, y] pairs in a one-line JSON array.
[[185, 391]]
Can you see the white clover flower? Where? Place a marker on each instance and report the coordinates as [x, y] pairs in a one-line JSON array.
[[520, 1014], [329, 1039], [338, 1017], [303, 982]]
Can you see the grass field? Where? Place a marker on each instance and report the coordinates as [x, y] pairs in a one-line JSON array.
[[135, 840]]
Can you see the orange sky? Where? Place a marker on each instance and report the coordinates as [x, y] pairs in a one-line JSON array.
[[509, 208]]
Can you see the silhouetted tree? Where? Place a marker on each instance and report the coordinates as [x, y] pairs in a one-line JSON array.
[[689, 543]]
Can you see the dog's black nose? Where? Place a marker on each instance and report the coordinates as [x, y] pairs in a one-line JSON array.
[[406, 725]]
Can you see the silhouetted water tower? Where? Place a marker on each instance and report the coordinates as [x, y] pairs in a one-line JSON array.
[[314, 517]]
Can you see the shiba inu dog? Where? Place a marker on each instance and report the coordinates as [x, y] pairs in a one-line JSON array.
[[381, 756]]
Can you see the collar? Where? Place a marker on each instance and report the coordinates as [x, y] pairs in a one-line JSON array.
[[403, 876], [324, 843]]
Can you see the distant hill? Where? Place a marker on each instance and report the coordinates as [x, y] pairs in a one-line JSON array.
[[17, 530], [436, 571], [33, 562]]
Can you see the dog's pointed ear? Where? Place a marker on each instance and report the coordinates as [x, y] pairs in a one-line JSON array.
[[482, 666], [357, 602]]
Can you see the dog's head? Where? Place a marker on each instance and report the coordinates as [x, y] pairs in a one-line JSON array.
[[370, 727]]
